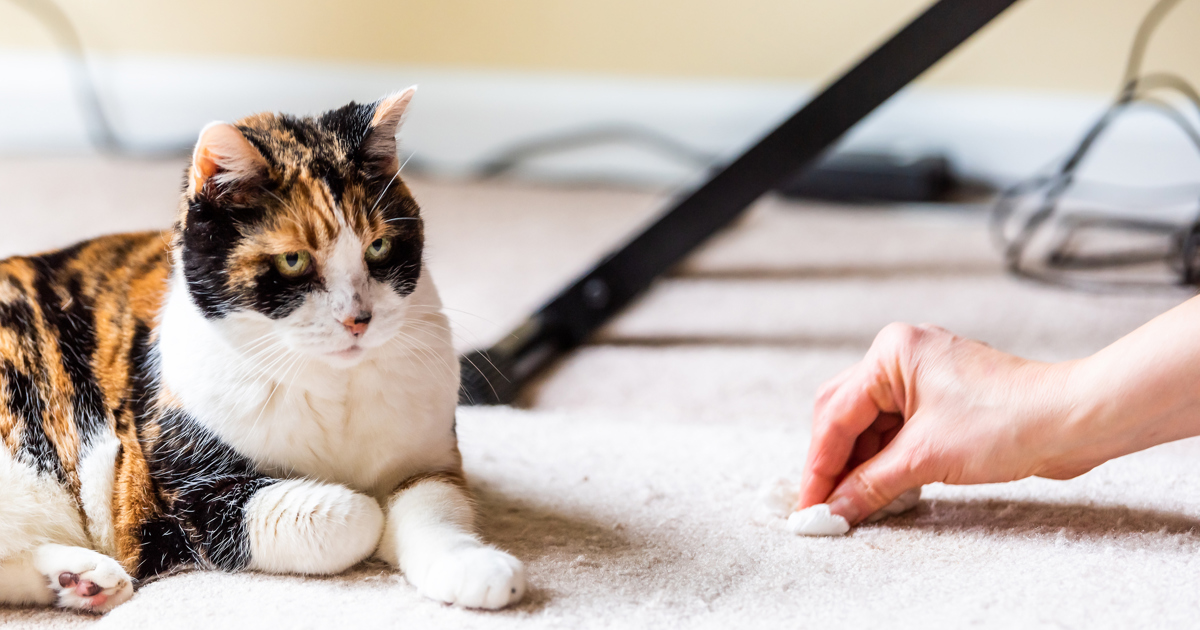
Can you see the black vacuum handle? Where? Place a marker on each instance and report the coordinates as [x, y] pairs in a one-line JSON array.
[[496, 375]]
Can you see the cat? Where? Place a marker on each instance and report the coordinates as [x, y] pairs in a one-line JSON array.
[[270, 385]]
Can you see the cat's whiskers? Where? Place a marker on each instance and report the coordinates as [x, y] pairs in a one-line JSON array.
[[390, 182], [254, 366], [454, 334], [271, 372], [253, 346], [467, 358], [271, 396], [451, 332], [419, 351], [420, 347], [450, 329], [446, 327], [271, 335], [255, 357], [265, 372], [434, 309], [246, 395], [301, 364], [409, 341]]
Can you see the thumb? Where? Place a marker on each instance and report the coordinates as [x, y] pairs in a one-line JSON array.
[[873, 485]]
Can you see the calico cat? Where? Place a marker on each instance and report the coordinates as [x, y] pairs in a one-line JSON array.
[[268, 386]]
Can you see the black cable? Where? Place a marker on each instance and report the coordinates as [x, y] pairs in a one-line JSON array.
[[508, 159], [1048, 190], [1141, 40]]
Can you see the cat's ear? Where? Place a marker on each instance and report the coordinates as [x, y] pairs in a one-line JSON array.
[[223, 156], [379, 146]]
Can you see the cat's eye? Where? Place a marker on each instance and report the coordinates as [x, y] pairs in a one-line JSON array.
[[379, 249], [293, 264]]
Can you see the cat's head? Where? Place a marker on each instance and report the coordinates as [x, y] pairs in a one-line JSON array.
[[300, 229]]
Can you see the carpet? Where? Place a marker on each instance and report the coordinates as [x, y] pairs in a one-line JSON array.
[[626, 476]]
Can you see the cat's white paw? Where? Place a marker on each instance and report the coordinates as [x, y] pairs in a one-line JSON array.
[[83, 579], [475, 577], [302, 526]]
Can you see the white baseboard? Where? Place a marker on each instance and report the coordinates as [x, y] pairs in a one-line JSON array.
[[460, 118]]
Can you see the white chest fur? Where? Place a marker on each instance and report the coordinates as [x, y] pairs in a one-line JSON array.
[[368, 426]]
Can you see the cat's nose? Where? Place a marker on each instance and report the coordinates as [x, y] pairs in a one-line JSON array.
[[357, 324]]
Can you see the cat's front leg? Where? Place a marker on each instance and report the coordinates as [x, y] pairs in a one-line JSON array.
[[238, 518], [430, 537], [304, 526], [254, 522]]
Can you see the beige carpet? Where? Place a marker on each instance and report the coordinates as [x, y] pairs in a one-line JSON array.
[[626, 481]]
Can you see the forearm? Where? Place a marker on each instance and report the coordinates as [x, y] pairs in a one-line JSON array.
[[1141, 391]]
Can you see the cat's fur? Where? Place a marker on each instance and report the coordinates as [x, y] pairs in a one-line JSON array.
[[187, 399]]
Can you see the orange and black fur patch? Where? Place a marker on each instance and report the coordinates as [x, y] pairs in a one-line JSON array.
[[78, 340], [76, 332]]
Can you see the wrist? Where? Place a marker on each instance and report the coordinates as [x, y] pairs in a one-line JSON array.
[[1081, 430], [1046, 418]]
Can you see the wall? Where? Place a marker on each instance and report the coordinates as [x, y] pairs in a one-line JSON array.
[[1061, 45], [493, 74]]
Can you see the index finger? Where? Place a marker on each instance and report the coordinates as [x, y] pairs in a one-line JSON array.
[[843, 411]]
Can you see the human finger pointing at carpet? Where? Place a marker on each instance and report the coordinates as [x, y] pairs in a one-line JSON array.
[[925, 406]]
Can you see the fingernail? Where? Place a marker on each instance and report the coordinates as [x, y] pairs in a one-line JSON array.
[[845, 508]]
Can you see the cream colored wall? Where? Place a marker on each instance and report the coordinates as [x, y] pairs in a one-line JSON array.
[[1068, 45]]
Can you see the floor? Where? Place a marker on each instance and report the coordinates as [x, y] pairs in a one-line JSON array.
[[626, 475]]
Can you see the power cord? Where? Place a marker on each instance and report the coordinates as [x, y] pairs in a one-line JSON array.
[[520, 152], [1014, 234]]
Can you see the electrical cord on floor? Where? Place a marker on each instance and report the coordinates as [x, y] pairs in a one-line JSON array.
[[1014, 234], [524, 151]]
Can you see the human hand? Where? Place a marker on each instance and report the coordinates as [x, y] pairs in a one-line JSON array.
[[927, 406]]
